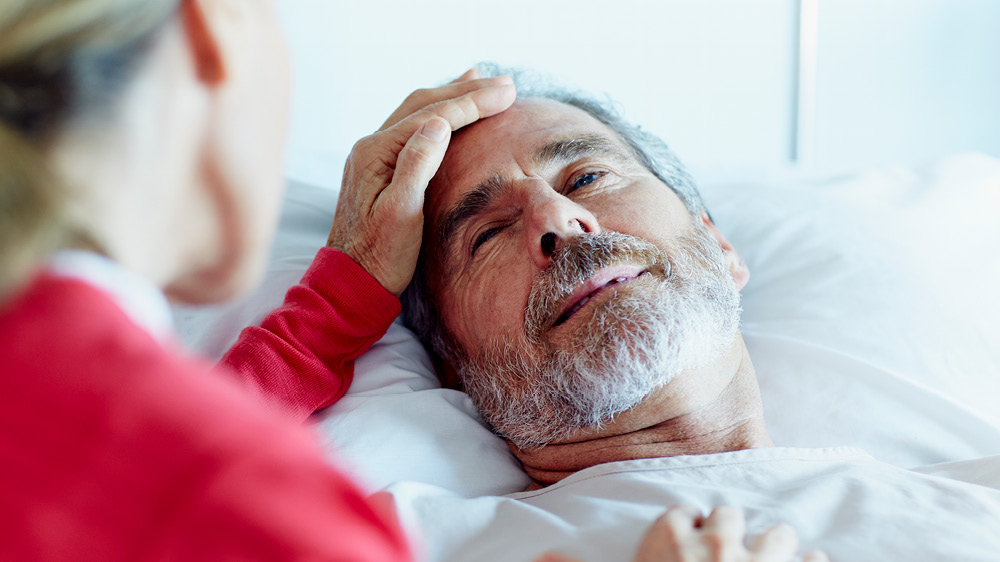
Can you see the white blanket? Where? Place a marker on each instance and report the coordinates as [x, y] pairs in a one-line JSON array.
[[840, 500]]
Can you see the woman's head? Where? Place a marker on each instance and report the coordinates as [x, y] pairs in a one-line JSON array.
[[151, 130]]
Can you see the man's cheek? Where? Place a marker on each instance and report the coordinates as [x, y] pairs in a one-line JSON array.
[[468, 314]]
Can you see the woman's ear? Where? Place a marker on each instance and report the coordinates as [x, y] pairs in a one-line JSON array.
[[235, 66], [739, 270], [204, 42]]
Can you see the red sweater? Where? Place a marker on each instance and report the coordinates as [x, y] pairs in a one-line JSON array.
[[114, 448]]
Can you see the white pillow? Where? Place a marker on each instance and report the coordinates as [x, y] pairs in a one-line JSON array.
[[854, 341]]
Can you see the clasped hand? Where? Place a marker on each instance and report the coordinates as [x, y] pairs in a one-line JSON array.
[[683, 534], [379, 217]]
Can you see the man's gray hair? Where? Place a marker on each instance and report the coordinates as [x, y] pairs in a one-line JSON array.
[[420, 311]]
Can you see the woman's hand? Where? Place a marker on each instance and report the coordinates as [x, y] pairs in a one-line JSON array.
[[379, 218], [683, 535]]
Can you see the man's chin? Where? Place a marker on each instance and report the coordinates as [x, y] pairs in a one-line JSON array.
[[640, 414], [606, 320]]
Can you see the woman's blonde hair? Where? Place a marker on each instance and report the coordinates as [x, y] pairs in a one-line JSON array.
[[60, 60]]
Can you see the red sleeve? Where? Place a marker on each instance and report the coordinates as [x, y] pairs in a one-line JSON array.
[[301, 357], [281, 502]]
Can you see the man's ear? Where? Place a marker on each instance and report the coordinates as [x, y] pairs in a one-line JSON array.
[[739, 270], [203, 40]]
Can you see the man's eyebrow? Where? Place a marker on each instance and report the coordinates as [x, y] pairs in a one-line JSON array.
[[566, 149], [572, 147], [473, 203]]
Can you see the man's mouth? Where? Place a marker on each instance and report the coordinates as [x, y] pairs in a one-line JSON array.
[[604, 279]]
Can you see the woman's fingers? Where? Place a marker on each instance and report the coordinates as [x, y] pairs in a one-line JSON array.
[[682, 519], [424, 97], [670, 535], [377, 156], [727, 522], [380, 228], [555, 557], [417, 163], [379, 217], [382, 149], [722, 535], [683, 535], [470, 74], [815, 556], [458, 111], [777, 543]]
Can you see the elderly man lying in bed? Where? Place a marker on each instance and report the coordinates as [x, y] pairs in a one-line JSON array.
[[572, 282], [575, 287]]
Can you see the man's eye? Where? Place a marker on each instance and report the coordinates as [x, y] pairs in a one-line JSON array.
[[484, 237], [586, 179]]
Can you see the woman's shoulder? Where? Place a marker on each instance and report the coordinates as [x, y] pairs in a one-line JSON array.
[[71, 348], [65, 331], [120, 435], [70, 351]]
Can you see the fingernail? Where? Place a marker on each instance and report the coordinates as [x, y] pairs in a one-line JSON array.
[[435, 129], [503, 88]]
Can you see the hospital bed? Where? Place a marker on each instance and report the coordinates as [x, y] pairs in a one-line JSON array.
[[870, 318]]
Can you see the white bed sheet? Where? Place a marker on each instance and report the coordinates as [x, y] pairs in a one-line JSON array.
[[841, 500]]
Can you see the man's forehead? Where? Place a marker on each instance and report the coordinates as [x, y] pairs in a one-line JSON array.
[[521, 135]]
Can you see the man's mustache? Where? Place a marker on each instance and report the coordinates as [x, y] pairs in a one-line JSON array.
[[579, 259]]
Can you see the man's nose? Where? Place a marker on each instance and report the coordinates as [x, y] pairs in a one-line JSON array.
[[553, 220]]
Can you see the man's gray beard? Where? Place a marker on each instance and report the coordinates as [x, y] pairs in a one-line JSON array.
[[534, 391]]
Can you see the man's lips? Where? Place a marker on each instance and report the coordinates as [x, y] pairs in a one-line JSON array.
[[604, 279]]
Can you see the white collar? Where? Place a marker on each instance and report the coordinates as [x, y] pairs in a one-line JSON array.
[[141, 300]]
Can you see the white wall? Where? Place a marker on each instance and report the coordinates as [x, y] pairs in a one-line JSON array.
[[906, 80], [711, 77], [896, 80]]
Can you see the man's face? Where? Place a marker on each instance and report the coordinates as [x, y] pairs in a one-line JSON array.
[[572, 279]]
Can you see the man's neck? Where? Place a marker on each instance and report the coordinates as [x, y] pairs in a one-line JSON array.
[[664, 426]]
